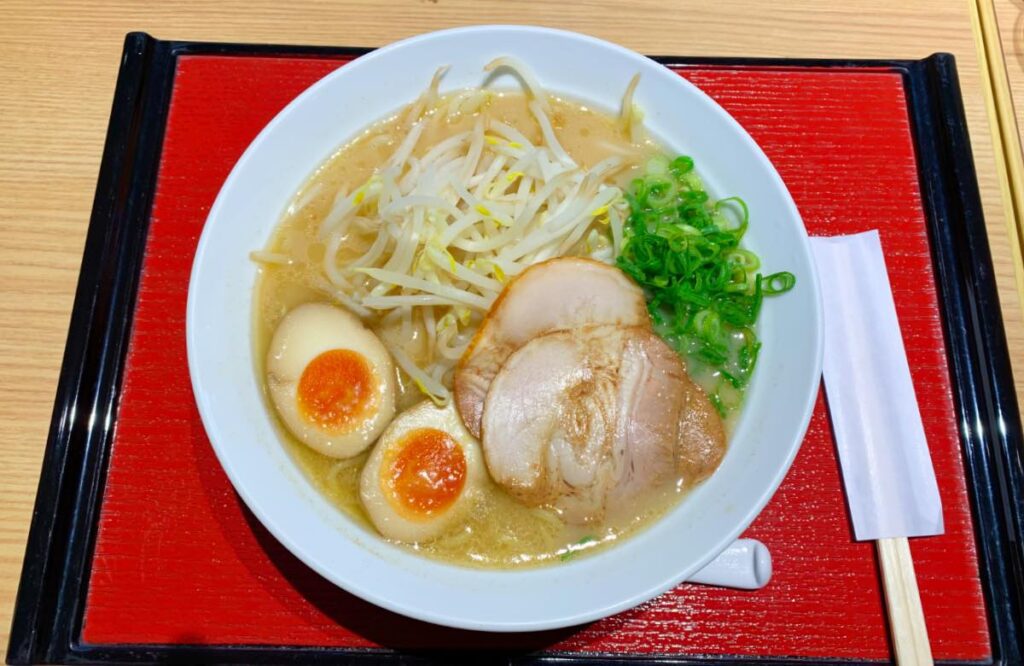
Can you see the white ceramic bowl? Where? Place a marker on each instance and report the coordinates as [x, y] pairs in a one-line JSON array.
[[220, 352]]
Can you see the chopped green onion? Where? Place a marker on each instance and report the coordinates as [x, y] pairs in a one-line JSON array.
[[681, 165], [778, 283], [704, 292], [571, 551], [658, 165]]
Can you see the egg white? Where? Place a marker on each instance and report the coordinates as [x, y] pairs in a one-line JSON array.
[[306, 332], [401, 524]]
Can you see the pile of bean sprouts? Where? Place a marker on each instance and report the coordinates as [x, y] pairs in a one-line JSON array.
[[445, 231]]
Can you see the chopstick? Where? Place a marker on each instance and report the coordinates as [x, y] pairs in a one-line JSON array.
[[1003, 124], [906, 617]]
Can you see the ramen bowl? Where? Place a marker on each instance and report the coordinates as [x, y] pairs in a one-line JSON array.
[[227, 386]]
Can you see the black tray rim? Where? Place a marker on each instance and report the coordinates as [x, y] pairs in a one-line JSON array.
[[49, 609]]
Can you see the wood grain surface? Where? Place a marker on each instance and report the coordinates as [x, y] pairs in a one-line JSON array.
[[1010, 17], [58, 63]]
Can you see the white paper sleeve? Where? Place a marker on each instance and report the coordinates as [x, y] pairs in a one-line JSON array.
[[886, 465]]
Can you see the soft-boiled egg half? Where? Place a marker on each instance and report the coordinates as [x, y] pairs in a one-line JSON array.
[[424, 474], [331, 379]]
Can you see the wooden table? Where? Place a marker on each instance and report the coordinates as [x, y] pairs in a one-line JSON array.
[[1010, 14], [58, 63]]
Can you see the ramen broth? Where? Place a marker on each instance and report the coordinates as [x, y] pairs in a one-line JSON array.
[[500, 532]]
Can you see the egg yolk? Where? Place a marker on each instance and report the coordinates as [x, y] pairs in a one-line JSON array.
[[336, 389], [427, 473]]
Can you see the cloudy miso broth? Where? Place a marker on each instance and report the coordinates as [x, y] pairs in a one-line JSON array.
[[500, 532]]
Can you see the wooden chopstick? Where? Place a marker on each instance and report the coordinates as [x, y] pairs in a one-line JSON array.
[[906, 618], [1003, 125]]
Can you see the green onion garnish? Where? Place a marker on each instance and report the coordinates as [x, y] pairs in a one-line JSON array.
[[571, 551], [703, 290]]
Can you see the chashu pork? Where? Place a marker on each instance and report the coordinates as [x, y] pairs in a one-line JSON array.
[[558, 294], [597, 416]]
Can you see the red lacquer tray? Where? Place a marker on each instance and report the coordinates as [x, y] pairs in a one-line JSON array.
[[145, 551]]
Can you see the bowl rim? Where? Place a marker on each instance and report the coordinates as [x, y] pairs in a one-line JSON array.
[[367, 592]]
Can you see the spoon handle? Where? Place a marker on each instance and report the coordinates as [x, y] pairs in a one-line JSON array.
[[744, 565]]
